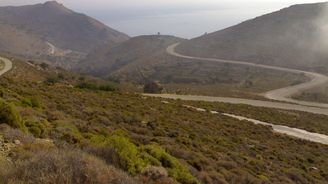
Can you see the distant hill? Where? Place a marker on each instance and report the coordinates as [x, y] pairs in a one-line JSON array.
[[127, 59], [51, 29], [292, 37]]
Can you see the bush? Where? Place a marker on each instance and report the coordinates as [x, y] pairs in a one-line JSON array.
[[153, 87], [10, 116], [128, 153], [31, 102], [11, 134], [38, 129], [175, 169], [135, 159], [68, 132], [51, 80], [91, 86], [41, 166]]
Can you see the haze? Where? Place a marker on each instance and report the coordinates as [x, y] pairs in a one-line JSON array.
[[183, 18]]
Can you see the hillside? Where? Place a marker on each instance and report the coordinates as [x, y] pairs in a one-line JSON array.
[[52, 30], [144, 58], [292, 37], [55, 127], [137, 53]]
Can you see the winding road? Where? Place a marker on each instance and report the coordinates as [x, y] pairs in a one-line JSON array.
[[8, 65], [299, 133], [282, 95]]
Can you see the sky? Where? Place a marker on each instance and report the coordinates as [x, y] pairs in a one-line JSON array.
[[183, 18]]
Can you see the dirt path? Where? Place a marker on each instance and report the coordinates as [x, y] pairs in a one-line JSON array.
[[283, 94]]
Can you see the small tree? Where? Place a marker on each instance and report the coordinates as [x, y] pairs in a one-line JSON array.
[[153, 87]]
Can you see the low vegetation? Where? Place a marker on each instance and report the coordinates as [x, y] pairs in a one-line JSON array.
[[319, 94], [153, 87], [40, 164], [10, 116], [151, 140]]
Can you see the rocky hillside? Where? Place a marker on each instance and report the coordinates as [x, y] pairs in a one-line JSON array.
[[292, 37]]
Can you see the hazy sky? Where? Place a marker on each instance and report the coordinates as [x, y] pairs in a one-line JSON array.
[[184, 18]]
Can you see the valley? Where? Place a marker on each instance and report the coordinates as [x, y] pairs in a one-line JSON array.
[[83, 103]]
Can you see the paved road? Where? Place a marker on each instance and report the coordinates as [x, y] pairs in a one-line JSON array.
[[295, 132], [52, 48], [257, 103], [8, 65], [283, 94]]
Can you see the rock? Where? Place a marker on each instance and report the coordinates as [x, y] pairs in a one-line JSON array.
[[17, 142], [313, 168]]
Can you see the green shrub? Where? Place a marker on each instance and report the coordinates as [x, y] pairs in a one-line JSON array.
[[10, 116], [107, 87], [135, 159], [38, 129], [175, 169], [35, 103], [130, 157], [92, 86], [68, 132], [31, 102]]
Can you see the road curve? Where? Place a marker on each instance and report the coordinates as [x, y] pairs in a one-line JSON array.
[[283, 94], [8, 65]]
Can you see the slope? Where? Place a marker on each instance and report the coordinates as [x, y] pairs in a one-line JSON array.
[[292, 37], [50, 29]]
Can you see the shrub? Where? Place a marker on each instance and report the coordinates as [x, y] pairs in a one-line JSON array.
[[41, 166], [68, 132], [92, 86], [38, 129], [175, 169], [51, 80], [153, 87], [128, 153], [11, 134], [10, 116], [135, 159], [31, 102]]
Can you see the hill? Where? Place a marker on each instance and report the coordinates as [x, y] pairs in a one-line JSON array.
[[130, 57], [50, 29], [144, 58], [292, 37]]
